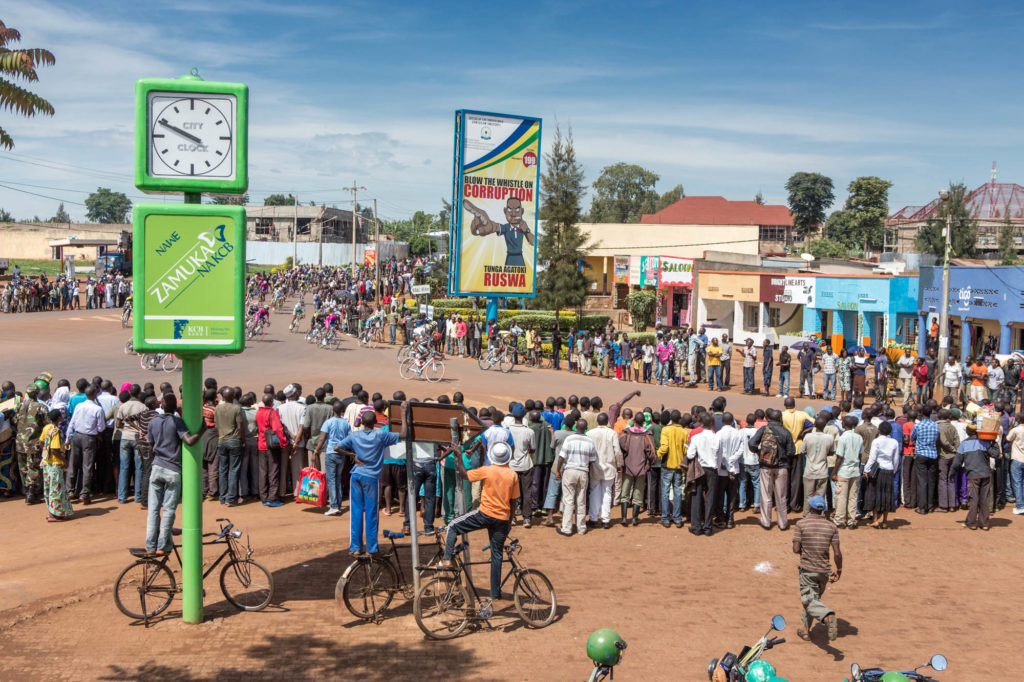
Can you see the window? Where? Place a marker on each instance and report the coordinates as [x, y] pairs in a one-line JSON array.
[[750, 316], [774, 317], [772, 233]]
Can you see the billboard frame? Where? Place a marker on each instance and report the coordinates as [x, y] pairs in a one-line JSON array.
[[455, 224]]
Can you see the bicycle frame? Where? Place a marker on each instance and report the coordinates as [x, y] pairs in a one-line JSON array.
[[514, 570]]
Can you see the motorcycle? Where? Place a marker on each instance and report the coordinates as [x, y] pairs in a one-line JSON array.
[[732, 668], [938, 662]]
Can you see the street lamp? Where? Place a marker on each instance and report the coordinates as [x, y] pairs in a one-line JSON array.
[[944, 310]]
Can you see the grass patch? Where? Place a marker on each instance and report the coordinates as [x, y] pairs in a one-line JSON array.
[[34, 268]]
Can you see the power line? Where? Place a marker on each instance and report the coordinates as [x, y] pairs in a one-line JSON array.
[[44, 196]]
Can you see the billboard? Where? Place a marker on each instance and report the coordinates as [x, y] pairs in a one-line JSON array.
[[799, 290], [649, 271], [621, 271], [189, 271], [676, 272], [494, 226], [369, 257]]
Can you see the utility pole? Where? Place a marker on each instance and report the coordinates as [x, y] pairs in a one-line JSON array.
[[944, 308], [295, 234], [376, 256], [355, 224]]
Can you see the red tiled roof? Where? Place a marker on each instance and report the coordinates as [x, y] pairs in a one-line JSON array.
[[719, 211]]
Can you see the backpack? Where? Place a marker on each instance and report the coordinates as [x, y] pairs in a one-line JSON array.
[[768, 452]]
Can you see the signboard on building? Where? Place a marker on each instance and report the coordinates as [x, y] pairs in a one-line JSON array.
[[189, 271], [369, 257], [494, 231], [621, 273], [799, 291], [676, 272], [420, 289], [773, 288], [649, 271]]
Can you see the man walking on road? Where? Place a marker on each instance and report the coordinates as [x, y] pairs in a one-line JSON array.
[[811, 540]]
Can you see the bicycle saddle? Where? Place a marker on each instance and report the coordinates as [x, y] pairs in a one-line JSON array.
[[388, 534]]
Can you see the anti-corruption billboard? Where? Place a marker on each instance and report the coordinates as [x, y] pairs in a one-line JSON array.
[[494, 225]]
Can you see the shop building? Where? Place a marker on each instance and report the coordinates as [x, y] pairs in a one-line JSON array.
[[986, 305], [748, 305]]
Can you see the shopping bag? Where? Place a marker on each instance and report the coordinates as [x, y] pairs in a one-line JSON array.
[[312, 488]]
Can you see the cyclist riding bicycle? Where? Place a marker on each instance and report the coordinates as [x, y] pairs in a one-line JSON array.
[[421, 339], [262, 315], [297, 313]]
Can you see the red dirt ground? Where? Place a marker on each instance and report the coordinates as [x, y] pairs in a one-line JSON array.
[[925, 586]]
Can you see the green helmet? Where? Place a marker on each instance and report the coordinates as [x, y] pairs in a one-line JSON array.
[[760, 671], [605, 647], [894, 676]]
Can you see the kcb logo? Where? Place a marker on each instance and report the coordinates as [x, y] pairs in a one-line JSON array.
[[529, 159]]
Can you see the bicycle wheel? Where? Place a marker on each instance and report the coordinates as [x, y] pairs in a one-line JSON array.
[[485, 362], [149, 361], [434, 371], [505, 364], [144, 589], [403, 353], [129, 347], [171, 362], [126, 318], [367, 587], [534, 598], [442, 607], [406, 370], [246, 584]]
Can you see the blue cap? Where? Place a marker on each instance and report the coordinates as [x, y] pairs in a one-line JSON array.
[[817, 502], [518, 411]]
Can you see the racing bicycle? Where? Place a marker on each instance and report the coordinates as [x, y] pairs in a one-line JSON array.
[[500, 356], [168, 362], [432, 369], [146, 587], [446, 603]]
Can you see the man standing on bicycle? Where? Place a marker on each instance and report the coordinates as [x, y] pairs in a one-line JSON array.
[[500, 487], [166, 432]]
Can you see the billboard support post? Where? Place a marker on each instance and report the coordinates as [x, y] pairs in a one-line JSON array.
[[492, 312]]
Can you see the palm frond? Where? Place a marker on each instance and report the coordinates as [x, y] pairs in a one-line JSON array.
[[17, 63], [5, 140], [8, 35]]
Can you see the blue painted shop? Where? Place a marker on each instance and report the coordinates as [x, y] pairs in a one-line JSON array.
[[986, 307], [876, 309]]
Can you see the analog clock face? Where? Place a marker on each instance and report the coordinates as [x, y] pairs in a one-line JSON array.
[[191, 136]]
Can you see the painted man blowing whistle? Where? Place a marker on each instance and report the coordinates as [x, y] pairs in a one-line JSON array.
[[514, 231]]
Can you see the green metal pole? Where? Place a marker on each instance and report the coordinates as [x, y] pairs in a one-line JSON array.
[[192, 484]]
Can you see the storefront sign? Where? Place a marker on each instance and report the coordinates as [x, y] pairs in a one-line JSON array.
[[676, 272], [649, 271], [799, 290], [621, 270], [773, 288]]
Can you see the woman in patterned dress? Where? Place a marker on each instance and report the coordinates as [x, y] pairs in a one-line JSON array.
[[844, 375], [58, 506]]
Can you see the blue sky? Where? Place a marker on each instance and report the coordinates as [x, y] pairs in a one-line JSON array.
[[724, 98]]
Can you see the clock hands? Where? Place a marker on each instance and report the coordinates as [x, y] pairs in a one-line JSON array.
[[187, 136]]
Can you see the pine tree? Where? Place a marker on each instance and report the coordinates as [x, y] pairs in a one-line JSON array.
[[1007, 247], [562, 247], [964, 232], [61, 216]]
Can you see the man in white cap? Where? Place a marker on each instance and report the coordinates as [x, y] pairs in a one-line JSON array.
[[500, 487], [813, 537], [293, 455]]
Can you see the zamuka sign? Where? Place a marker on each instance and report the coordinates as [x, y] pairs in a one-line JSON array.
[[190, 273]]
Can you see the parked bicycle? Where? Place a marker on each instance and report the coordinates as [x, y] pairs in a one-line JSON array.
[[431, 369], [146, 587], [447, 603], [370, 582], [168, 362]]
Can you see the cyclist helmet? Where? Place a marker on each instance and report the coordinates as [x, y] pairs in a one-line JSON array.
[[605, 647], [894, 676], [760, 671]]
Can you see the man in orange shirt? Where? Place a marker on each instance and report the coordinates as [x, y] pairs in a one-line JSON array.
[[979, 372], [500, 487]]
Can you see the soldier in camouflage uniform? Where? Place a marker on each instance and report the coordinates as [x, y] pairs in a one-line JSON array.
[[29, 421]]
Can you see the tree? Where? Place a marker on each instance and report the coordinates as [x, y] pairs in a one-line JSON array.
[[230, 199], [419, 245], [867, 208], [104, 206], [561, 284], [622, 193], [279, 200], [20, 65], [5, 216], [670, 197], [1006, 244], [759, 198], [642, 305], [445, 216], [828, 248], [963, 232], [810, 194], [61, 215]]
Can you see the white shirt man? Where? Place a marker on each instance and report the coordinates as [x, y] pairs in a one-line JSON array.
[[572, 466], [604, 470]]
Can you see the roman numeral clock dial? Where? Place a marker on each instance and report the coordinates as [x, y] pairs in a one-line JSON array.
[[191, 136]]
